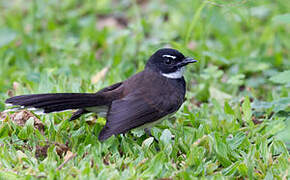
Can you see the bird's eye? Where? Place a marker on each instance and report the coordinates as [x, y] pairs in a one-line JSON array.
[[168, 61]]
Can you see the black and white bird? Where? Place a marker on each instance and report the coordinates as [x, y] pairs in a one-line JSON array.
[[144, 98]]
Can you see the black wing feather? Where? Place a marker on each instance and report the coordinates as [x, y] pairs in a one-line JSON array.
[[133, 111]]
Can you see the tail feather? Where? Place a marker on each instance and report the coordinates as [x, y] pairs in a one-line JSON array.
[[58, 101], [65, 106], [26, 99], [43, 103]]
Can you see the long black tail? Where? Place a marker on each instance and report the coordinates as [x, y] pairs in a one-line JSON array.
[[58, 101]]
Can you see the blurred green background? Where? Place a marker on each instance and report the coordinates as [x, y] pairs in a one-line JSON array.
[[238, 92]]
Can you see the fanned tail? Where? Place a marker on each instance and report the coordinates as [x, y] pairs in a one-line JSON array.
[[57, 101]]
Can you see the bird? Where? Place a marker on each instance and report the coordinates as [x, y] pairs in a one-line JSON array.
[[142, 100]]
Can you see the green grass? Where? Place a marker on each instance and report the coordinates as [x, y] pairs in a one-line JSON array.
[[234, 124]]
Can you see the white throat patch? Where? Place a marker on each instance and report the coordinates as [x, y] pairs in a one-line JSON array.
[[175, 75]]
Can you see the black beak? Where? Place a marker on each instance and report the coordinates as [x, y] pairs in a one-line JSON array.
[[186, 61]]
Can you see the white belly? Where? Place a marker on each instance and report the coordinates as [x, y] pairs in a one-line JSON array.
[[149, 125], [100, 110]]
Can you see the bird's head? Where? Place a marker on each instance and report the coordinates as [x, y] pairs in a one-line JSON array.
[[169, 62]]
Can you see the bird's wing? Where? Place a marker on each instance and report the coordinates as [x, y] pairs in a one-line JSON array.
[[110, 88], [134, 110]]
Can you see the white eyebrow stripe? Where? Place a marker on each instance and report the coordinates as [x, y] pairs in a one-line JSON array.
[[169, 56]]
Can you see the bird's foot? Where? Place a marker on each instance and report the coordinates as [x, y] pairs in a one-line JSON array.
[[148, 132]]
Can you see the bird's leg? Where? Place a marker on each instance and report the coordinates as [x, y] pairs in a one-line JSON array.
[[148, 132]]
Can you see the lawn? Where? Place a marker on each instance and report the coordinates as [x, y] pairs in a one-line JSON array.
[[234, 124]]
